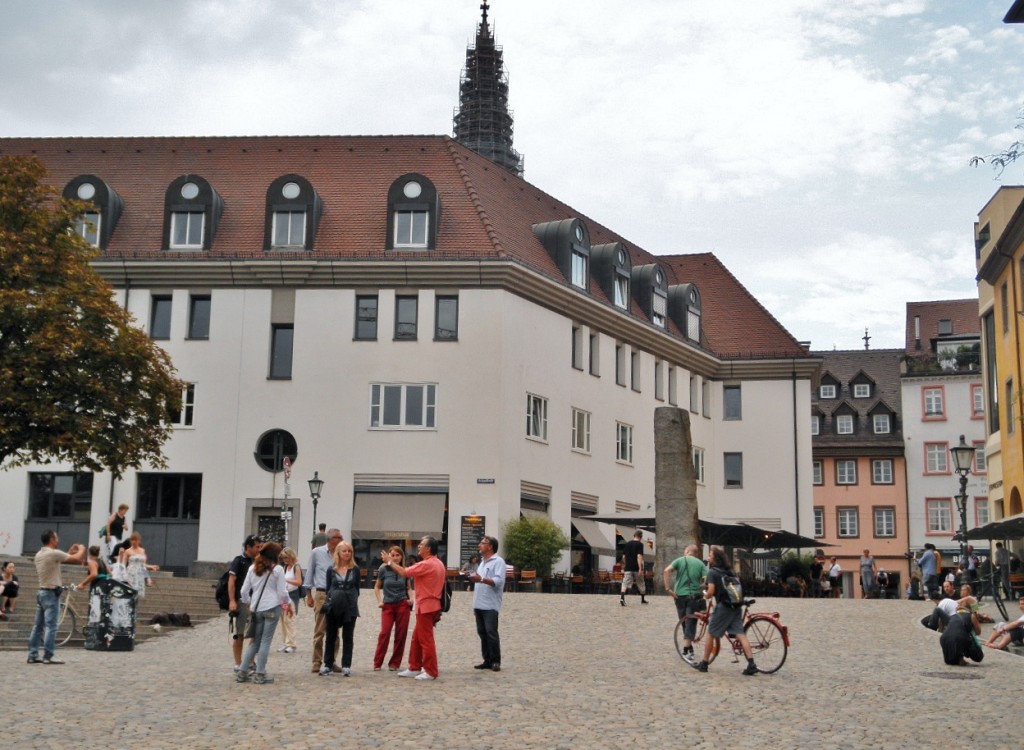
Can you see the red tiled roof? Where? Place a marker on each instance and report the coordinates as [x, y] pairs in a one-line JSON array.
[[486, 212], [963, 314]]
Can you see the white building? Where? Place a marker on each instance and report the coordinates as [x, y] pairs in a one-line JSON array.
[[446, 345]]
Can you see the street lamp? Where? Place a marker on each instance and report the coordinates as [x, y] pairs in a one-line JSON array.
[[963, 460], [316, 485]]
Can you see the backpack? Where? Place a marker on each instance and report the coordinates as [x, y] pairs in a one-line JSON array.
[[220, 590], [446, 596], [732, 591]]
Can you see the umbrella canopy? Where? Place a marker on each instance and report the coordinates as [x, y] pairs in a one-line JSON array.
[[1011, 527], [716, 531]]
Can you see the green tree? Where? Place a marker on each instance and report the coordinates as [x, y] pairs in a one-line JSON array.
[[533, 544], [79, 382]]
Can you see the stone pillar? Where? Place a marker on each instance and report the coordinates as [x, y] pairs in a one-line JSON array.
[[675, 487]]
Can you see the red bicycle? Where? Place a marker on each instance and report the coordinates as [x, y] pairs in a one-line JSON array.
[[769, 638]]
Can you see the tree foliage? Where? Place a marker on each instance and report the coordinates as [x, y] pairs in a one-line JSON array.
[[533, 544], [79, 382], [1001, 160]]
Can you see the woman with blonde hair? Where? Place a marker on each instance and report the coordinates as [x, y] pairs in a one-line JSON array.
[[265, 592], [392, 592], [342, 607], [292, 582], [133, 558]]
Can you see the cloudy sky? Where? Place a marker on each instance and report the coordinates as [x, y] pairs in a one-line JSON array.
[[821, 149]]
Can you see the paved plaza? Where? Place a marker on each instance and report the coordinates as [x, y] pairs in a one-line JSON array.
[[577, 672]]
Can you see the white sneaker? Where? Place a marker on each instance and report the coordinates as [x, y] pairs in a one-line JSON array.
[[346, 672], [410, 673], [289, 649], [424, 676], [688, 657], [282, 649], [325, 671]]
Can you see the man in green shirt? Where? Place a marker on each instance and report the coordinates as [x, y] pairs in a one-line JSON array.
[[686, 591]]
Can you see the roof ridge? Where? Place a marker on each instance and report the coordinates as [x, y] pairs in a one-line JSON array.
[[485, 219]]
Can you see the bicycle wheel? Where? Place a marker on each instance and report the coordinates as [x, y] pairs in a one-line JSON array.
[[66, 624], [767, 643], [698, 638]]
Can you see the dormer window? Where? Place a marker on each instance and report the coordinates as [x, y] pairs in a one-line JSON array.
[[568, 243], [96, 224], [292, 214], [192, 210], [862, 386], [413, 211], [684, 309], [611, 269], [659, 300], [650, 287], [829, 387]]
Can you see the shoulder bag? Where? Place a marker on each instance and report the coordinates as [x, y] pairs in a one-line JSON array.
[[250, 626]]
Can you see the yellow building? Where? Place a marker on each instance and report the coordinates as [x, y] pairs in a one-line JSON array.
[[999, 242]]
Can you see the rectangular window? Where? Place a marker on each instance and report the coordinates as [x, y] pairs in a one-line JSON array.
[[185, 417], [705, 399], [199, 317], [673, 384], [733, 463], [281, 338], [977, 402], [581, 430], [168, 496], [634, 371], [620, 364], [406, 312], [698, 464], [624, 442], [187, 229], [981, 511], [846, 471], [1004, 306], [64, 496], [844, 424], [366, 317], [577, 347], [827, 391], [595, 354], [88, 226], [936, 458], [621, 291], [881, 471], [988, 328], [817, 473], [446, 318], [847, 522], [1011, 409], [815, 424], [536, 417], [659, 380], [410, 406], [579, 269], [289, 229], [659, 308], [980, 460], [861, 390], [880, 424], [819, 522], [160, 318], [694, 395], [411, 228], [933, 406], [940, 516], [885, 522], [732, 402]]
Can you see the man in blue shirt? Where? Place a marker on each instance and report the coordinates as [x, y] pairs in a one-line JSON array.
[[928, 572], [489, 578], [320, 561]]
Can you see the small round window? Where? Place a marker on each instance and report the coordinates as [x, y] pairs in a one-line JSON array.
[[412, 189], [189, 191], [291, 190], [86, 191], [272, 447], [579, 233]]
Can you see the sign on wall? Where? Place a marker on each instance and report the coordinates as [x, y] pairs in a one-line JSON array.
[[472, 533]]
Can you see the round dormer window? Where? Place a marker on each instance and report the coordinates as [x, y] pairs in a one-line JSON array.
[[189, 191], [86, 191], [412, 189], [291, 190], [658, 278], [621, 257], [579, 233]]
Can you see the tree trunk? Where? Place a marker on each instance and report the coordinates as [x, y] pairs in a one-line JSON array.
[[675, 487]]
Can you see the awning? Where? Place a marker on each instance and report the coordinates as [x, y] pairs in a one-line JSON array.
[[595, 536], [1011, 527], [648, 536], [399, 515]]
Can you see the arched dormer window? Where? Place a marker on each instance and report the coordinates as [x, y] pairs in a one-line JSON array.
[[568, 243], [292, 214], [414, 211], [192, 210], [650, 288], [98, 222], [684, 309], [611, 269]]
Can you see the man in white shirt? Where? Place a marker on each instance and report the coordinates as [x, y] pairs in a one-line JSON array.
[[320, 561], [489, 580]]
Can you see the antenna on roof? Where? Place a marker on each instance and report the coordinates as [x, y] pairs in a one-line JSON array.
[[866, 339]]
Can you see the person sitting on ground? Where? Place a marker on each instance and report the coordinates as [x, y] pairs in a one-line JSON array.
[[958, 639], [1006, 633], [948, 606], [9, 581]]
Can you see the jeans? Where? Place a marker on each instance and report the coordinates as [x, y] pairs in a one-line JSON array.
[[265, 623], [44, 631], [487, 629], [688, 605]]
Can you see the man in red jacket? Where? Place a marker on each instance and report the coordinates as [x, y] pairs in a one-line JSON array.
[[429, 574]]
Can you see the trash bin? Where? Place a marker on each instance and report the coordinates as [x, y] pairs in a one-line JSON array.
[[111, 625]]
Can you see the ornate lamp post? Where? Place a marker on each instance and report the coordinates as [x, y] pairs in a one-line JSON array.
[[963, 460], [316, 485]]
